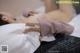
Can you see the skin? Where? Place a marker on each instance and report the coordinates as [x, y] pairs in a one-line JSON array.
[[32, 21], [49, 5], [64, 13], [11, 19], [7, 17]]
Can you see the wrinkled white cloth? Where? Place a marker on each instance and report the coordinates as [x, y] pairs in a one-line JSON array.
[[12, 35], [76, 24]]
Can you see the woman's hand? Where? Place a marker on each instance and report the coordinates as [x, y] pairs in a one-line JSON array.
[[33, 28], [27, 13]]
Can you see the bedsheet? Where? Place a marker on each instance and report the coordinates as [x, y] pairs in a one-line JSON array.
[[12, 36]]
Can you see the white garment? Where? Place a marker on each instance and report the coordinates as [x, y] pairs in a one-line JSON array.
[[76, 24], [17, 42]]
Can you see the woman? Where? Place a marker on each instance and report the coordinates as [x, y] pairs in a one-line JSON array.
[[44, 28], [12, 36], [37, 24]]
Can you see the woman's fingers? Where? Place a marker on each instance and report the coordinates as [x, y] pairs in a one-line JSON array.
[[32, 29]]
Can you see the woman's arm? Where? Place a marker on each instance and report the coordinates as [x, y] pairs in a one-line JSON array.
[[50, 5], [65, 13], [46, 27], [51, 27], [67, 7]]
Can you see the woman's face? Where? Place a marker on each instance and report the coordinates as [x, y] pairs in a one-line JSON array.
[[34, 19], [6, 18], [30, 20]]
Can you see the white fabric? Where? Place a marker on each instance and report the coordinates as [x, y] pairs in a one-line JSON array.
[[47, 38], [76, 24], [17, 42]]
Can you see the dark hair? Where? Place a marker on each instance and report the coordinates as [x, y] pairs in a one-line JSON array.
[[2, 22]]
